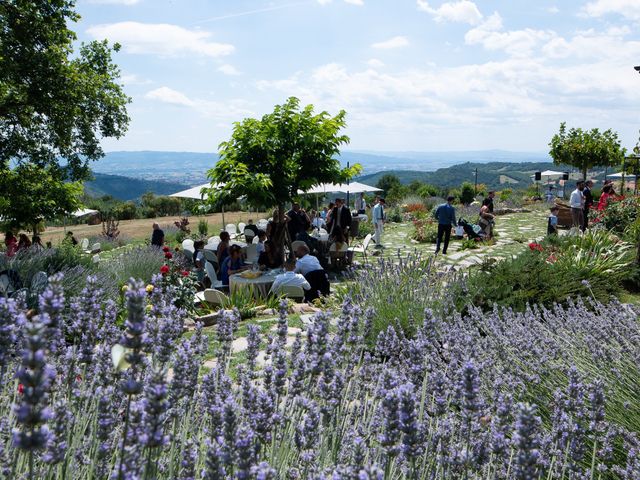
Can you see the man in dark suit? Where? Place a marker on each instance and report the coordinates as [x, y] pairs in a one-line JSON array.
[[341, 217], [588, 203]]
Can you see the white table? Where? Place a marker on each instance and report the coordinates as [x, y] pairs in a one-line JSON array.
[[259, 287]]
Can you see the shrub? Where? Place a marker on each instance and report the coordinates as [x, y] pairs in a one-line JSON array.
[[467, 193], [619, 215], [138, 262], [125, 211], [365, 228], [425, 230], [203, 227], [395, 215]]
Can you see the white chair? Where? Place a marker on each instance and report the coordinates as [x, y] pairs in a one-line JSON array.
[[248, 235], [241, 227], [210, 256], [214, 239], [338, 255], [362, 248], [96, 258], [291, 291], [84, 244], [255, 240], [211, 273], [95, 248], [262, 224], [187, 244], [213, 297], [231, 230], [252, 253]]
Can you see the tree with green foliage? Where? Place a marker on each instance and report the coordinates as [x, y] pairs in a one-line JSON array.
[[32, 194], [586, 149], [387, 182], [55, 103], [270, 159], [467, 193]]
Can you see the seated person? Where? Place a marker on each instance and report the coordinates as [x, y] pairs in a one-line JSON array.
[[198, 259], [270, 257], [223, 247], [262, 237], [11, 244], [232, 264], [24, 242], [311, 242], [306, 263], [486, 221], [317, 221], [289, 278]]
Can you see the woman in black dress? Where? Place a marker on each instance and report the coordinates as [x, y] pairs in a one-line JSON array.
[[270, 257]]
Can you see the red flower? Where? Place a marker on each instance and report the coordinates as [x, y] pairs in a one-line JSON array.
[[185, 273], [168, 255], [552, 259], [535, 247], [20, 388], [164, 269], [165, 249]]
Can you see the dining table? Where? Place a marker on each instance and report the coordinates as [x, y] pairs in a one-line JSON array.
[[258, 286]]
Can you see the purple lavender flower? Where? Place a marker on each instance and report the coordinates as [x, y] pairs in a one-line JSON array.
[[188, 462], [245, 452], [51, 306], [390, 419], [104, 430], [10, 321], [412, 441], [154, 412], [308, 431], [35, 376], [214, 465], [253, 346], [263, 471], [527, 443], [57, 441]]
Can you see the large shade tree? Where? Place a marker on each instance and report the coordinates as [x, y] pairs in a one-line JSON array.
[[55, 103], [585, 149], [270, 159]]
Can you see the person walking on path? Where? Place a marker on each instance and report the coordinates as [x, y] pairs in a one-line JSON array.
[[588, 204], [446, 216], [576, 202], [378, 222]]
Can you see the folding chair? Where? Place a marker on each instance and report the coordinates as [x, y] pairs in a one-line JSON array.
[[291, 291], [361, 248], [212, 297], [252, 254], [231, 230]]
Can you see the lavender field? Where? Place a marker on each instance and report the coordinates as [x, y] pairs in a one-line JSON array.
[[546, 393]]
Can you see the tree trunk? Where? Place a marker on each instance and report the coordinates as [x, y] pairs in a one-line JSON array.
[[279, 233]]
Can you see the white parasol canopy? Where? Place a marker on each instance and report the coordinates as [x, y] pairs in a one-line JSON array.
[[551, 173], [193, 192], [83, 212], [352, 187], [620, 175]]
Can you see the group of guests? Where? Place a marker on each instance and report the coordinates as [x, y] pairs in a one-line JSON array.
[[14, 245], [582, 203]]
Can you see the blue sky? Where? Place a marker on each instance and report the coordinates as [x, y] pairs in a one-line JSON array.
[[411, 74]]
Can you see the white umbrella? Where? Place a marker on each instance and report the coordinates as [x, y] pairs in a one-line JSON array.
[[357, 187], [193, 192], [82, 212], [551, 173], [619, 175], [322, 188]]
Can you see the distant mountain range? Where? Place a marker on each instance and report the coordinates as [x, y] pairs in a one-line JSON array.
[[127, 175], [190, 168]]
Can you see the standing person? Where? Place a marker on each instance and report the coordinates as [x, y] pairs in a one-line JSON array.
[[223, 247], [157, 236], [576, 202], [489, 201], [251, 226], [588, 203], [361, 204], [378, 218], [341, 217], [607, 193], [487, 219], [446, 216], [262, 237], [297, 221], [552, 222], [11, 243]]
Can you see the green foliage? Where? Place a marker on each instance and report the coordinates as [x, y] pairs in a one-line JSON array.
[[467, 193], [270, 159], [586, 149], [160, 206], [364, 229], [125, 211], [426, 190], [505, 194], [55, 102], [619, 215], [140, 263], [387, 182], [594, 264], [33, 194], [425, 230], [203, 227], [395, 215], [469, 244]]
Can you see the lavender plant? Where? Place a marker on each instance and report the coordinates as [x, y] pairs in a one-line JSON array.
[[544, 393]]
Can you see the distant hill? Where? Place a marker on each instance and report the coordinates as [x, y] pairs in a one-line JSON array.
[[493, 174], [190, 168], [128, 188]]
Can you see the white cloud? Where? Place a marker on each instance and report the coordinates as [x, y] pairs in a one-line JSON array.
[[168, 95], [117, 2], [553, 9], [160, 39], [462, 11], [375, 63], [517, 43], [627, 8], [395, 42], [228, 69], [133, 79]]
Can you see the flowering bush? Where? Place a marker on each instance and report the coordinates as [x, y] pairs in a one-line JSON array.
[[178, 275], [540, 394], [619, 214], [425, 230]]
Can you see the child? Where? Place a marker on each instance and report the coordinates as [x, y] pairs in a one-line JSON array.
[[552, 223], [262, 237]]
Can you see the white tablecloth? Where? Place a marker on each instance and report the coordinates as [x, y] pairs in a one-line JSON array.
[[259, 287]]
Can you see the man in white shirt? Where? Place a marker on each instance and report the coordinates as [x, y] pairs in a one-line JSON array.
[[361, 205], [576, 202], [306, 263], [289, 278], [378, 221]]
